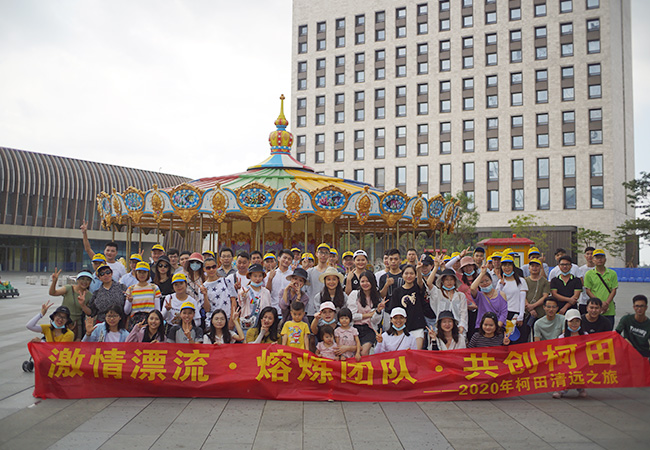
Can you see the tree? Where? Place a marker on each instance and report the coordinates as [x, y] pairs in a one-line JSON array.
[[586, 237], [532, 227], [464, 233]]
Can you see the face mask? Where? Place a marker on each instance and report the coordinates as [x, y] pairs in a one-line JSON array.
[[486, 289], [56, 326], [195, 266], [330, 322], [470, 273], [260, 284], [399, 328], [575, 331], [566, 273], [509, 274], [448, 288]]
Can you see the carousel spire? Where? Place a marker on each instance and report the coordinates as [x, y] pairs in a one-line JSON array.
[[281, 139]]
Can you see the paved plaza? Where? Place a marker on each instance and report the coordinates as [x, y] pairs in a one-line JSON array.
[[608, 418]]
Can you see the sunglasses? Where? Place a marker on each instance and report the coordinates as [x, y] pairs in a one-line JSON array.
[[210, 267], [163, 266], [104, 272]]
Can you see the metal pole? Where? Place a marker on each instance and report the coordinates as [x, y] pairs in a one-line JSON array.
[[140, 237], [306, 235], [397, 235], [348, 234], [263, 240], [201, 233]]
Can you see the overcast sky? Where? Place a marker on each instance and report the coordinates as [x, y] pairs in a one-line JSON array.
[[188, 87]]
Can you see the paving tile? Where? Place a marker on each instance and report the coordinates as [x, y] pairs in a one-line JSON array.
[[314, 412], [474, 444], [281, 416], [82, 439], [130, 441], [326, 438], [413, 427], [286, 439], [367, 422]]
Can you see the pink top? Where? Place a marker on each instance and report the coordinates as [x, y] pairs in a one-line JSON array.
[[346, 337], [327, 352]]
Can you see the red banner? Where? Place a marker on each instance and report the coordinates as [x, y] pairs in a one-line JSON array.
[[275, 372]]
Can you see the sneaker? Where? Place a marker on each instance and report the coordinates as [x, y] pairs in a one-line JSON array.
[[557, 394], [582, 393]]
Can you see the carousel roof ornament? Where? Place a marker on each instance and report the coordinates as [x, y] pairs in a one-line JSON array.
[[280, 188]]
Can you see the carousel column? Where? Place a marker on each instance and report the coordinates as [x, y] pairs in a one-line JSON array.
[[306, 235], [286, 234], [318, 231], [255, 237], [263, 246], [228, 239], [201, 232]]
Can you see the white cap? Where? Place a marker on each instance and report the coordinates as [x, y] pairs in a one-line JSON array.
[[360, 252], [572, 314], [327, 305], [397, 312]]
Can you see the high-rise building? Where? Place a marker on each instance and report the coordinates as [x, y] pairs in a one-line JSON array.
[[526, 106]]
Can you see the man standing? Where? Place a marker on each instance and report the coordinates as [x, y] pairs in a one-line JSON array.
[[269, 262], [225, 258], [379, 273], [411, 258], [129, 279], [392, 279], [538, 290], [315, 286], [635, 328], [582, 271], [534, 253], [555, 271], [256, 257], [479, 256], [566, 287], [110, 253], [334, 260], [172, 254], [551, 326], [156, 252], [240, 279], [348, 261], [182, 259], [277, 279], [593, 321], [602, 283]]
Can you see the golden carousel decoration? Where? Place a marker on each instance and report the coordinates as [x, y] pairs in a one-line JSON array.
[[279, 203]]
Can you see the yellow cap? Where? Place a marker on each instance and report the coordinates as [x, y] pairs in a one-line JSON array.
[[496, 255], [136, 256], [348, 253], [334, 251], [506, 259], [209, 252], [308, 256], [454, 254], [158, 247], [534, 250], [99, 257], [323, 245], [188, 305], [534, 261], [295, 249], [142, 266], [598, 252], [179, 277], [269, 255]]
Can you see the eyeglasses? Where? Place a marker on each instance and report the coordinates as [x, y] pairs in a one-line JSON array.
[[640, 306], [112, 316], [104, 272], [163, 266], [210, 267]]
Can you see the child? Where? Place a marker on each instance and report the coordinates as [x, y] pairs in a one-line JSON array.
[[325, 316], [293, 291], [397, 337], [448, 336], [219, 332], [347, 336], [265, 330], [59, 328], [327, 348], [152, 329], [143, 297], [295, 331], [254, 297], [187, 332], [573, 327], [112, 330], [174, 302], [489, 333]]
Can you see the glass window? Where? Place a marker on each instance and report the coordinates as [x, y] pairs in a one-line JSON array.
[[401, 71], [568, 94], [566, 28], [320, 44], [542, 119], [543, 198], [515, 13], [380, 73], [339, 117], [320, 139], [567, 72], [468, 125], [491, 80], [320, 81], [596, 137], [568, 117], [445, 147], [423, 9], [445, 105], [320, 100], [593, 69], [542, 168], [517, 199], [380, 16], [380, 94], [340, 41], [515, 56], [380, 176], [444, 24], [359, 114], [540, 32], [302, 121], [359, 76], [380, 152], [493, 170], [302, 85], [542, 140], [423, 49], [492, 101], [445, 127], [470, 200], [468, 42], [423, 108], [380, 35], [468, 62], [595, 115], [566, 6], [320, 156], [540, 53], [445, 65], [591, 4], [595, 91], [400, 110], [491, 39], [491, 59], [468, 21], [360, 19], [515, 35], [358, 175], [567, 49], [358, 154], [596, 165], [468, 145], [359, 96], [302, 141], [359, 135], [468, 103], [302, 30], [339, 136], [493, 144], [517, 121], [593, 25], [423, 28], [569, 197], [542, 96], [492, 123], [517, 142], [302, 103], [517, 99], [597, 197], [540, 10], [423, 88], [400, 176], [320, 119], [423, 68], [400, 31], [380, 133], [493, 200], [400, 131], [468, 172], [423, 148], [490, 17], [339, 155], [400, 13], [445, 173], [380, 112], [302, 67], [302, 47], [569, 164], [423, 129], [516, 78], [541, 75], [445, 45], [568, 138], [423, 175]]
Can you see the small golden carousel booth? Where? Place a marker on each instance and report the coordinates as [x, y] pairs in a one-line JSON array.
[[279, 203]]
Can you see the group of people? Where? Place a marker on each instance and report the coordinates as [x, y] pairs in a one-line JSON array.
[[339, 311]]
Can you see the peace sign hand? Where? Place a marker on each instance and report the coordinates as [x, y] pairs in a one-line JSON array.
[[382, 305], [55, 275], [432, 332], [506, 339], [90, 325], [379, 337], [45, 307], [142, 324], [168, 303]]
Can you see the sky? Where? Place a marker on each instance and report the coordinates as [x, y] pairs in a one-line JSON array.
[[184, 87]]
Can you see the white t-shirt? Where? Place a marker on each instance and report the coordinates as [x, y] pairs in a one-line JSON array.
[[169, 314], [314, 287], [118, 270], [582, 270], [280, 282], [512, 292], [555, 271], [243, 279]]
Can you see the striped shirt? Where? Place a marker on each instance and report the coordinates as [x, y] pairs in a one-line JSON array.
[[145, 299], [478, 340]]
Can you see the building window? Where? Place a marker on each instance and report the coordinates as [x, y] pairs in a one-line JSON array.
[[540, 32], [423, 68], [359, 135], [302, 157], [380, 16], [380, 73], [360, 38], [359, 115], [445, 106], [567, 50], [596, 165], [358, 175], [320, 44], [595, 115], [320, 119], [592, 4], [468, 172], [302, 47], [566, 6], [515, 13], [568, 138], [339, 155], [444, 25], [320, 81], [380, 35], [516, 99], [568, 94], [542, 140], [542, 119], [423, 175], [569, 166], [593, 46], [400, 110], [540, 53], [543, 198], [517, 142], [423, 108], [400, 70], [593, 69], [468, 125], [568, 117], [595, 91], [491, 59], [541, 96], [339, 136], [597, 198], [400, 151], [468, 21], [302, 67], [320, 139], [423, 129], [339, 117], [517, 169], [569, 197], [517, 121], [468, 145], [302, 30], [301, 141], [468, 42], [359, 76], [445, 127], [423, 149], [380, 177], [320, 156], [468, 62], [445, 147], [540, 10], [423, 49], [493, 170], [596, 137], [517, 199], [516, 78], [468, 103], [340, 41], [470, 200], [542, 168], [339, 79], [492, 123], [302, 121], [493, 200], [380, 152], [515, 56], [302, 84], [400, 31], [493, 144], [423, 28], [339, 174], [380, 112], [445, 173], [400, 132], [490, 17], [400, 176], [445, 65]]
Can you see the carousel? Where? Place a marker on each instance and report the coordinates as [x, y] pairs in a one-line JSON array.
[[279, 203]]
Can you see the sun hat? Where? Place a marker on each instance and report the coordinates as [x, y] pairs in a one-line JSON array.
[[196, 256], [466, 261], [398, 312], [330, 271], [446, 315], [447, 273], [254, 268], [84, 273], [64, 310]]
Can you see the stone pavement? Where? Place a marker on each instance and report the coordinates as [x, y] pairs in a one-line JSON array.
[[608, 418]]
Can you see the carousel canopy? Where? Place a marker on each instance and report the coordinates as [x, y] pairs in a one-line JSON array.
[[280, 187]]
